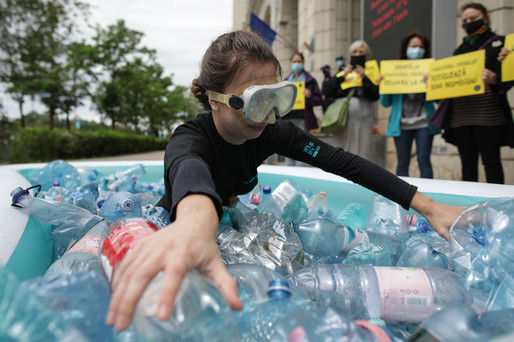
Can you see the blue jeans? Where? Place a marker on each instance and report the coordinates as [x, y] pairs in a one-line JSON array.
[[403, 145]]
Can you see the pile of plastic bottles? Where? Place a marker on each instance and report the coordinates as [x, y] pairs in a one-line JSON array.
[[304, 273]]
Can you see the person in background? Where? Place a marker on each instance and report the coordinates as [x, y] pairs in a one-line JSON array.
[[481, 124], [341, 64], [357, 134], [327, 76], [410, 114], [303, 118], [215, 156]]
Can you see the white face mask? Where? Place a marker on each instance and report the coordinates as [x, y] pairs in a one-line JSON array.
[[415, 53]]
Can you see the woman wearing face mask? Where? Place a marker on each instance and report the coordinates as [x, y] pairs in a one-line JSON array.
[[356, 135], [303, 118], [215, 156], [481, 124], [410, 114]]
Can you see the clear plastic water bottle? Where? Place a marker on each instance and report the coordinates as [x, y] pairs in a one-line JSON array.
[[56, 173], [368, 254], [284, 193], [395, 294], [240, 213], [418, 225], [354, 215], [124, 178], [81, 299], [267, 203], [84, 197], [69, 222], [324, 237], [157, 215], [481, 246], [326, 324], [89, 175], [119, 205], [426, 250], [56, 193], [464, 324], [387, 217], [258, 322], [82, 256], [197, 300], [25, 317], [317, 205]]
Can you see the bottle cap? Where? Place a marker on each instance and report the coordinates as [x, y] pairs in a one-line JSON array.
[[279, 288], [266, 189]]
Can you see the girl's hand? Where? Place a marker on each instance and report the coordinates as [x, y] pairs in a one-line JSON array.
[[360, 70], [488, 77], [503, 53], [307, 93], [186, 244]]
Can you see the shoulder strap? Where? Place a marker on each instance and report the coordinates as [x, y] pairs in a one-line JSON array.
[[487, 42]]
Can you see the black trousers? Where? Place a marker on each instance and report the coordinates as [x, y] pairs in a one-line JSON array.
[[486, 140]]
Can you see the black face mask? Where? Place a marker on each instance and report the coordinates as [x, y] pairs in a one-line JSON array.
[[473, 26], [358, 60]]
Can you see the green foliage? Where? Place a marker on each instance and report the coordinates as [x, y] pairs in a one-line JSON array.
[[43, 144]]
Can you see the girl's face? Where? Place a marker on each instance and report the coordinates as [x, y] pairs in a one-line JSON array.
[[230, 123], [471, 14], [415, 42]]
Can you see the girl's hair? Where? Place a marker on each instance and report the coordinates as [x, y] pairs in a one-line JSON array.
[[402, 54], [297, 54], [357, 44], [474, 5], [228, 54]]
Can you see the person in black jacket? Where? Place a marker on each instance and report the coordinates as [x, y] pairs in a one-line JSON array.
[[481, 124], [215, 156]]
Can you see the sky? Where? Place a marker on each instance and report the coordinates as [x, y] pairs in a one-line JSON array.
[[180, 31]]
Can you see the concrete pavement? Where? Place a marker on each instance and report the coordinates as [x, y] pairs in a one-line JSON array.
[[155, 155]]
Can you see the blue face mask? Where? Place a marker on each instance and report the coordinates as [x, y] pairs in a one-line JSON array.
[[297, 67], [339, 62], [415, 53]]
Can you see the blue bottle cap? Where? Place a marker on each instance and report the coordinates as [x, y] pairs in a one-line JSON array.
[[279, 288], [127, 204], [266, 189], [100, 203]]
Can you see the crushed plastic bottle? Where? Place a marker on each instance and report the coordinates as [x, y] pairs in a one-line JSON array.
[[354, 215], [387, 217], [317, 205], [426, 250], [125, 179], [56, 173], [119, 205], [267, 203]]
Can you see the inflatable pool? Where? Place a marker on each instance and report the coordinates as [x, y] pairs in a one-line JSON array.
[[25, 244]]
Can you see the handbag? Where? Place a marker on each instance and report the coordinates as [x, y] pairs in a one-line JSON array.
[[335, 116], [437, 120]]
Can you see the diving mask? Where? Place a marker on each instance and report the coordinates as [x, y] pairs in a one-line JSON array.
[[259, 100]]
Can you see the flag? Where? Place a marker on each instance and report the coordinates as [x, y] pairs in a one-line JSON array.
[[262, 29]]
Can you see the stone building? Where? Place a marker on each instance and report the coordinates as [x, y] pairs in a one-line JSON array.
[[324, 29]]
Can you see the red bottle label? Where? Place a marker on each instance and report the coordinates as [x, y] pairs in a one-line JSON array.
[[122, 239]]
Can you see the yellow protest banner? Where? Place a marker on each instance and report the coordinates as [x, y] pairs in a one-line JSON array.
[[372, 71], [352, 80], [508, 62], [300, 97], [456, 76], [404, 76]]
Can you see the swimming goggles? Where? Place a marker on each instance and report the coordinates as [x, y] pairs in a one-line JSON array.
[[259, 100]]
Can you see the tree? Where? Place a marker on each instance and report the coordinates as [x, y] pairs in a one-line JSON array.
[[34, 39]]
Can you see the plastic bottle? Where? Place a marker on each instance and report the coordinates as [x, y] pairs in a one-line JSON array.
[[324, 237], [25, 317], [418, 225], [69, 222], [84, 197], [425, 250], [481, 248], [354, 215], [81, 299], [387, 217], [284, 193], [368, 254], [463, 324], [157, 215], [394, 294], [240, 214], [197, 301], [317, 205], [259, 321], [82, 256], [325, 324], [267, 203], [119, 205], [125, 178], [56, 173]]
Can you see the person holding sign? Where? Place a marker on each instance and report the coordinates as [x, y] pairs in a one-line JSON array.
[[410, 114], [481, 124], [356, 135], [309, 95]]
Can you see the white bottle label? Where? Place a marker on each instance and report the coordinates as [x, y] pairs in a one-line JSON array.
[[283, 194], [405, 294], [350, 241]]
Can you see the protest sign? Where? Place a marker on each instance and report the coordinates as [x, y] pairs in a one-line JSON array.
[[456, 76], [300, 97], [372, 71], [404, 76]]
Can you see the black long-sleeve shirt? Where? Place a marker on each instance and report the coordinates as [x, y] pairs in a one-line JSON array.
[[198, 160]]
